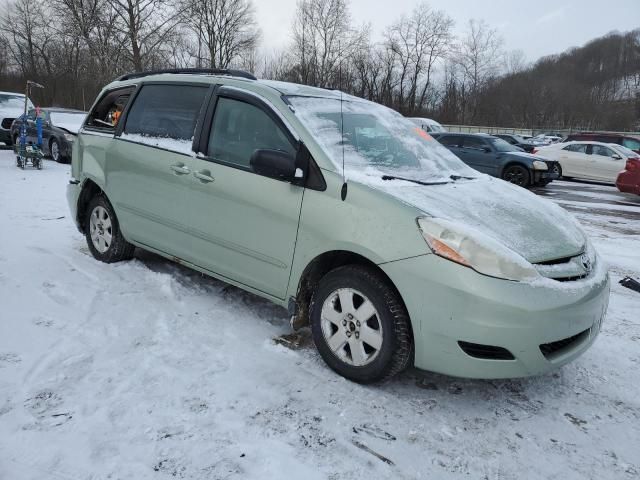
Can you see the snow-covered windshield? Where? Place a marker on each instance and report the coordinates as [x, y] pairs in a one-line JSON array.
[[375, 140], [13, 101], [67, 120]]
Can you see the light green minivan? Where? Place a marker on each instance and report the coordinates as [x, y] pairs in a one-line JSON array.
[[391, 249]]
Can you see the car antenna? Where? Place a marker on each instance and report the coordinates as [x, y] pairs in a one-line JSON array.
[[343, 191]]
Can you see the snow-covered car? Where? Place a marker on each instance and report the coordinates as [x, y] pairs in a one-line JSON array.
[[588, 160], [428, 125], [11, 107], [393, 250], [59, 130]]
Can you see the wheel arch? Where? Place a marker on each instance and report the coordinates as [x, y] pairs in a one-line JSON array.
[[89, 190], [318, 268]]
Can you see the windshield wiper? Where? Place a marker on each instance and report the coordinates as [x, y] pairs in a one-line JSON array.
[[419, 182]]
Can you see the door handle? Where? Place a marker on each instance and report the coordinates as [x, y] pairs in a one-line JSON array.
[[180, 169], [204, 176]]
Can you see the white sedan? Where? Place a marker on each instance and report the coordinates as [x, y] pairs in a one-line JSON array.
[[589, 160]]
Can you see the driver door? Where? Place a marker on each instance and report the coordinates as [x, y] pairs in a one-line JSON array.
[[244, 225]]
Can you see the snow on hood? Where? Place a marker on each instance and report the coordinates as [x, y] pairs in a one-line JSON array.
[[535, 228], [10, 112], [374, 142], [70, 122]]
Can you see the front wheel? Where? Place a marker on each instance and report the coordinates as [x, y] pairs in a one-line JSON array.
[[103, 234], [518, 175], [54, 149], [360, 326]]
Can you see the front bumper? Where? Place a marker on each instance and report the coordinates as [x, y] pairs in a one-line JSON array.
[[544, 176], [449, 303]]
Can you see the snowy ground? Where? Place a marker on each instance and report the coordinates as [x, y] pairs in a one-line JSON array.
[[147, 370]]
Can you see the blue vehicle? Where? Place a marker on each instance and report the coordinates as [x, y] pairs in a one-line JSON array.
[[498, 158]]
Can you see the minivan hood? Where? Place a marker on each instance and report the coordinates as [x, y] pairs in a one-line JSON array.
[[537, 229]]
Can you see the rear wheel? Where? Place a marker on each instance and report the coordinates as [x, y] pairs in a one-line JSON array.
[[360, 326], [103, 234], [518, 175]]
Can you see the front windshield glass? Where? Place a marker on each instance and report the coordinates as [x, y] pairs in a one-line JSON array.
[[377, 141], [502, 145]]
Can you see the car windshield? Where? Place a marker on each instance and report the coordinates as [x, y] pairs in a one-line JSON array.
[[375, 141], [502, 145], [13, 101], [68, 119], [626, 151]]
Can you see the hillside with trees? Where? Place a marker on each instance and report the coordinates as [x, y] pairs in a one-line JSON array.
[[417, 65]]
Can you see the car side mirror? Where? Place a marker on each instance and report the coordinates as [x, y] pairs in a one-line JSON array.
[[486, 149], [273, 164], [615, 156]]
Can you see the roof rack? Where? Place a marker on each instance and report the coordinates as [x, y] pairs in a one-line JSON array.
[[190, 71]]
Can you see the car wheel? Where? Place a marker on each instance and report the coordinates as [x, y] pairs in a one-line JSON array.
[[360, 326], [517, 174], [103, 234], [54, 150]]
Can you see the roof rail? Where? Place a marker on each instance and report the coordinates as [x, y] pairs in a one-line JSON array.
[[190, 71]]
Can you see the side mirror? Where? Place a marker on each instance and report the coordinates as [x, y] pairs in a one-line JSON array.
[[615, 156], [274, 164], [486, 149]]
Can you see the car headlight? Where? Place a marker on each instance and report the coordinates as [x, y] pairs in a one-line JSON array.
[[69, 137], [473, 249], [539, 165]]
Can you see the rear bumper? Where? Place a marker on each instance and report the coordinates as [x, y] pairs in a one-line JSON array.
[[629, 182], [543, 327]]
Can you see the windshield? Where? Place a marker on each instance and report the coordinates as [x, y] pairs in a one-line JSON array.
[[13, 101], [67, 119], [502, 145], [377, 141], [628, 152]]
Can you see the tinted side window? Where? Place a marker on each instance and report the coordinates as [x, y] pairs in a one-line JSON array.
[[239, 129], [576, 147], [450, 140], [602, 151], [166, 111], [474, 142], [106, 114]]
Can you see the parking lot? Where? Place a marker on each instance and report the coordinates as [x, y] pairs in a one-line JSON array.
[[147, 369]]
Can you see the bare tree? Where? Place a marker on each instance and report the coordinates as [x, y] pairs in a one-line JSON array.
[[323, 39], [226, 28], [418, 41]]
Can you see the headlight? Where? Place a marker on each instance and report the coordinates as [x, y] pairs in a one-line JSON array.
[[69, 137], [474, 249], [539, 165]]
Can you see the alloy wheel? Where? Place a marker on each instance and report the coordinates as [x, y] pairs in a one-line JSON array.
[[350, 327], [100, 229], [55, 151]]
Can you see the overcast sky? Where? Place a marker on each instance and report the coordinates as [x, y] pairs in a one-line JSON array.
[[537, 27]]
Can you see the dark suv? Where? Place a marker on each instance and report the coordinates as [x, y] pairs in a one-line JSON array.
[[494, 156], [629, 141]]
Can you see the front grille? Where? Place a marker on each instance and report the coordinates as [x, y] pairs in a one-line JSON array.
[[553, 349], [486, 352], [6, 123]]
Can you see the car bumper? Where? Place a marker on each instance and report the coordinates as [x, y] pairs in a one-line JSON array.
[[449, 303], [73, 194], [5, 136], [544, 176], [629, 182]]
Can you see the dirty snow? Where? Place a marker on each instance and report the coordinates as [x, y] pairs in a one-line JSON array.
[[147, 370]]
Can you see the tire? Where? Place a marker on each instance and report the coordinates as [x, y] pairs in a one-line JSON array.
[[101, 221], [386, 325], [518, 175], [54, 146]]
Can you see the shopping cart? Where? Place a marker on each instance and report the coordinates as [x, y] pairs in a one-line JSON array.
[[29, 153]]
